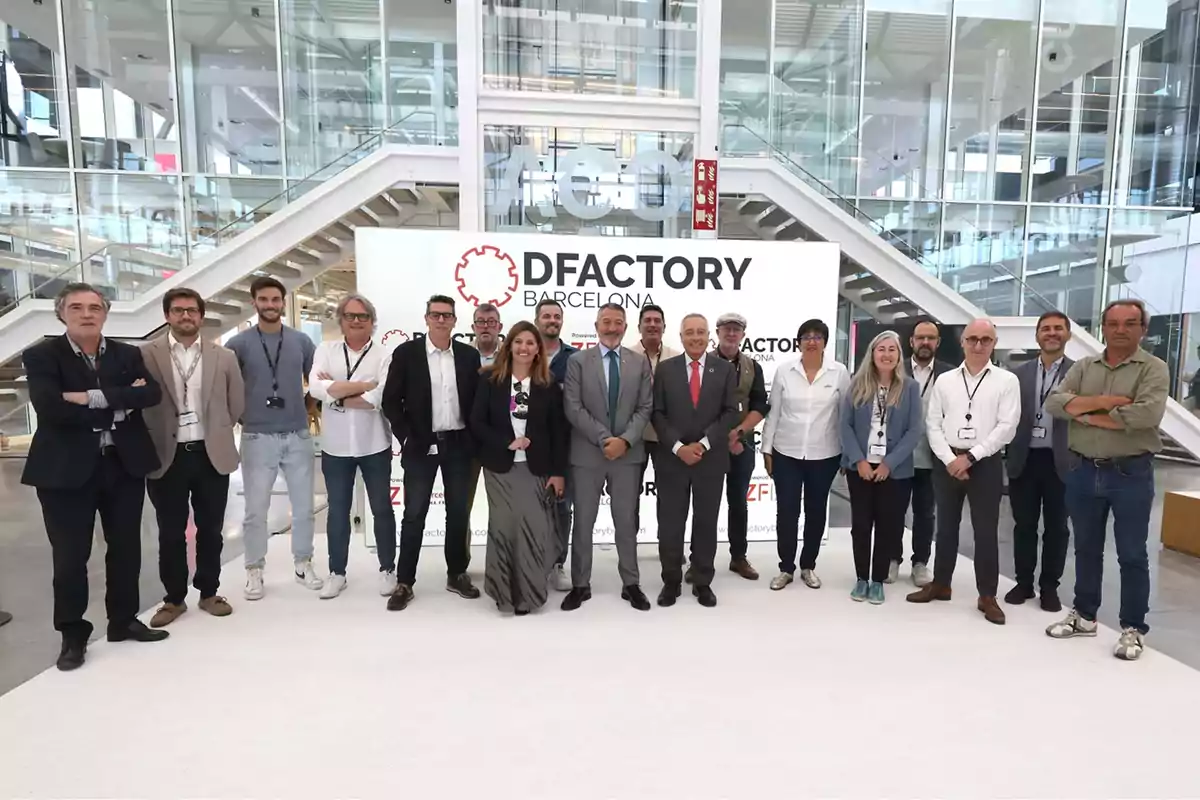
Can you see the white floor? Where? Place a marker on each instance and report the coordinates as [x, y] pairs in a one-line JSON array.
[[797, 693]]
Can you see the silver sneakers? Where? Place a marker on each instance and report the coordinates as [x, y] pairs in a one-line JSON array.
[[810, 579], [781, 581], [921, 576], [893, 572], [1070, 627], [1130, 645]]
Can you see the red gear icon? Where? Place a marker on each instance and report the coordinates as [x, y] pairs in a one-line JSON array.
[[397, 336], [491, 273]]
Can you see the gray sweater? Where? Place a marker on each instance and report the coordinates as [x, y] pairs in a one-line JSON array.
[[295, 362]]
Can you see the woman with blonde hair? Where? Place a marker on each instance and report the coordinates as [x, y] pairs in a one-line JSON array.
[[522, 432], [881, 424]]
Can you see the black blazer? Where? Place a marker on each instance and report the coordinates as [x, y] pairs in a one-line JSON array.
[[408, 397], [677, 420], [546, 428], [66, 444]]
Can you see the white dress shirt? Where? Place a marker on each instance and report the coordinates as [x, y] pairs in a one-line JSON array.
[[351, 432], [804, 418], [443, 384], [995, 412], [923, 456], [185, 360], [687, 364], [1047, 379]]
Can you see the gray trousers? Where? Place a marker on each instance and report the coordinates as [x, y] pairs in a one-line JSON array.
[[624, 481]]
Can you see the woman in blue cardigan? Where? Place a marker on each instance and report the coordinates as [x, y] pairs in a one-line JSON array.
[[881, 424]]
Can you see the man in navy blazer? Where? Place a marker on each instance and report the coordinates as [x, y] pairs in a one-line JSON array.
[[1037, 469]]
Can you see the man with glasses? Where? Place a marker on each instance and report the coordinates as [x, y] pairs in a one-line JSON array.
[[427, 398], [972, 415], [548, 316], [192, 428], [1113, 404], [486, 326]]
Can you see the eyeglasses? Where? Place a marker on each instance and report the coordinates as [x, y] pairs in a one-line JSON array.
[[351, 316], [979, 341], [440, 316], [184, 312], [812, 337], [519, 403], [487, 323]]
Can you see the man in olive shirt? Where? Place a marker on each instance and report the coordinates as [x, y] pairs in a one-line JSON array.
[[1115, 402]]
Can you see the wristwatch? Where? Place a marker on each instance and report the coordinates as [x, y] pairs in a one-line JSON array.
[[971, 457]]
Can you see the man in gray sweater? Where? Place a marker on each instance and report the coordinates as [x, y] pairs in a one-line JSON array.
[[274, 360]]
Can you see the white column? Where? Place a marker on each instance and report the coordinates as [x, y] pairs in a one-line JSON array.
[[708, 90], [470, 140]]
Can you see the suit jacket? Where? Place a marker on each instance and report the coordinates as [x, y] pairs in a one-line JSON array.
[[545, 427], [905, 427], [1018, 448], [677, 420], [66, 446], [408, 396], [585, 394], [222, 401]]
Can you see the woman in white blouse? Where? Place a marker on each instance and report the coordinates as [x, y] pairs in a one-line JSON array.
[[802, 449]]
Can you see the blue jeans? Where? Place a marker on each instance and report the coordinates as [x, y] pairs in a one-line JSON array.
[[1124, 486], [263, 456], [339, 484]]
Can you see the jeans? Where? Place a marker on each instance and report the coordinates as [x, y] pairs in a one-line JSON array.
[[737, 482], [264, 455], [339, 484], [800, 482], [454, 460], [923, 504], [1124, 486]]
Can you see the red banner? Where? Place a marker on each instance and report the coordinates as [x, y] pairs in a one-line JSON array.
[[704, 197]]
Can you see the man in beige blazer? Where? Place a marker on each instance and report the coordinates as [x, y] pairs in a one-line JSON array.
[[192, 430]]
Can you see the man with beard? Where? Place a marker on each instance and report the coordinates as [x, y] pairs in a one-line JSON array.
[[651, 322], [486, 327], [549, 319]]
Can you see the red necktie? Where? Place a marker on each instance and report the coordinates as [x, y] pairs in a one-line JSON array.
[[694, 383]]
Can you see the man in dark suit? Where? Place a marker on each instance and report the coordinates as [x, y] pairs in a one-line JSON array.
[[695, 407], [427, 399], [91, 453], [1037, 468]]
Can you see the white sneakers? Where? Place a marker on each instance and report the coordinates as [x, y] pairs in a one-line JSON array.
[[921, 576], [1129, 646], [387, 583], [306, 575], [893, 572], [560, 579], [333, 587], [254, 584]]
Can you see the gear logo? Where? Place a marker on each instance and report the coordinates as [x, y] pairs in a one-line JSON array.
[[486, 275], [395, 336]]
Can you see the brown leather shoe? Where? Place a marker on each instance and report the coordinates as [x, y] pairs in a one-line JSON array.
[[400, 598], [166, 614], [216, 605], [928, 593], [991, 610], [742, 567]]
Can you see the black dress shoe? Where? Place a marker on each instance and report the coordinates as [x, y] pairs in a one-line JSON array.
[[636, 597], [521, 612], [689, 577], [400, 597], [461, 585], [705, 595], [5, 618], [135, 631], [1050, 601], [72, 654], [668, 594], [1019, 594], [576, 597]]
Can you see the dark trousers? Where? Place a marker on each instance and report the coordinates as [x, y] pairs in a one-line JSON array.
[[70, 517], [923, 504], [1038, 493], [1124, 486], [801, 482], [678, 487], [472, 488], [454, 460], [191, 477], [339, 474], [737, 483], [983, 487], [652, 451], [876, 507]]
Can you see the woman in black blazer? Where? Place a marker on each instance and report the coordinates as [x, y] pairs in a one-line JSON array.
[[518, 422]]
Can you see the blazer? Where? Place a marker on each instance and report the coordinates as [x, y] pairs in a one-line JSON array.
[[585, 395], [905, 428], [546, 427], [66, 445], [1018, 448], [408, 396], [222, 401], [677, 420]]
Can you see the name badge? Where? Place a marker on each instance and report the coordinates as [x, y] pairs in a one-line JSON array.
[[1039, 433], [432, 450], [877, 450], [966, 434], [189, 418]]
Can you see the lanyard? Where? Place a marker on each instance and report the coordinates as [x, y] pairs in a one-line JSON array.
[[187, 376], [273, 365], [928, 381], [1049, 378], [881, 409], [346, 352], [971, 394]]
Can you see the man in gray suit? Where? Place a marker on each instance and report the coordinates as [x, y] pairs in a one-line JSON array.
[[608, 404], [695, 408], [1037, 468]]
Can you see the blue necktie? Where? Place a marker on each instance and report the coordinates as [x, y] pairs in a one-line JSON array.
[[614, 389]]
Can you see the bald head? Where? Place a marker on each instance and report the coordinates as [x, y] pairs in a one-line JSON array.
[[979, 340], [980, 327]]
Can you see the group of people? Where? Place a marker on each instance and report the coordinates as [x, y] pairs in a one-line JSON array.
[[552, 429]]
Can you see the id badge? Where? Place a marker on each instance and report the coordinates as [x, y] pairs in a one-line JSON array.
[[432, 450], [189, 418], [966, 434], [878, 450], [1039, 433]]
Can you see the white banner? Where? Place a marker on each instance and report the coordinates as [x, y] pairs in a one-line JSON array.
[[775, 285]]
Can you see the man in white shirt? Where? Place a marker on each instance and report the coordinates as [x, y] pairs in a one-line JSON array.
[[347, 377], [972, 415]]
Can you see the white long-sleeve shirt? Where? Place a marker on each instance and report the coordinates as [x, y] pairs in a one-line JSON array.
[[995, 412], [351, 432], [804, 417]]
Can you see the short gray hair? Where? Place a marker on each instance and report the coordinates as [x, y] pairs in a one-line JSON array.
[[486, 308], [350, 298], [60, 302]]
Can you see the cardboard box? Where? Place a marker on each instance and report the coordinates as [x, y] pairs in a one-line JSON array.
[[1181, 522]]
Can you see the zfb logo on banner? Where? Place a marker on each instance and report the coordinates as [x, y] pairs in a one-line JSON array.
[[486, 275]]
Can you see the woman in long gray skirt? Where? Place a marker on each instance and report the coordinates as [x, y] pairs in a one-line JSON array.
[[521, 430]]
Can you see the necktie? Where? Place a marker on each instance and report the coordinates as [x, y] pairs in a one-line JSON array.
[[614, 389], [694, 383]]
